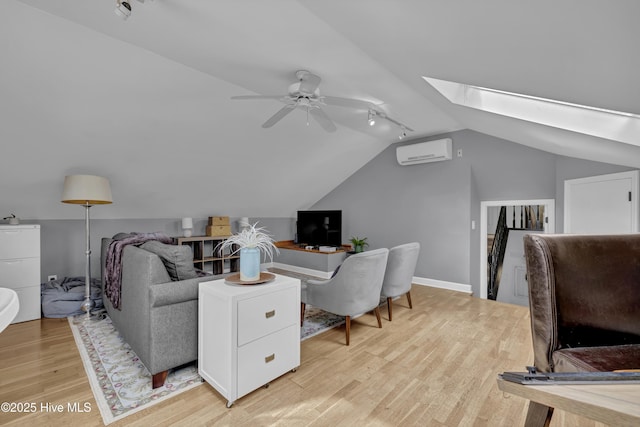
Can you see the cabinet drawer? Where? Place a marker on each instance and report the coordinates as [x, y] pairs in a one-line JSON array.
[[19, 243], [267, 358], [18, 273], [29, 304], [265, 314]]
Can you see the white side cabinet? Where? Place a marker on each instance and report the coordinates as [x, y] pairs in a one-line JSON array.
[[20, 267], [248, 335]]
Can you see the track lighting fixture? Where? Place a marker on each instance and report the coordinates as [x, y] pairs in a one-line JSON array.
[[123, 9], [371, 118]]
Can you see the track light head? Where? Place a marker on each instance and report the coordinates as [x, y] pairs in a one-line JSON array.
[[371, 118], [123, 9]]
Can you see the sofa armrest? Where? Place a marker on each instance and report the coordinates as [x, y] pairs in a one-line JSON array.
[[161, 294], [174, 292]]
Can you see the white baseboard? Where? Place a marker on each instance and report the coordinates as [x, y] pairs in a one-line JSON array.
[[301, 270], [452, 286]]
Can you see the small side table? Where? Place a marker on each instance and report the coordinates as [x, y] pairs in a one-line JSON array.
[[248, 335]]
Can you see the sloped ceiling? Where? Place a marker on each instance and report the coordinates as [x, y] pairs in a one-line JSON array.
[[147, 104]]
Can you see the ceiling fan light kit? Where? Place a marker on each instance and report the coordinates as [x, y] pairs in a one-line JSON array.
[[305, 93]]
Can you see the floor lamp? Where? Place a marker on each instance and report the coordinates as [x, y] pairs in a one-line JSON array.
[[86, 190]]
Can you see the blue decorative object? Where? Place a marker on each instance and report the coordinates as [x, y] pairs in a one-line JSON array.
[[249, 264]]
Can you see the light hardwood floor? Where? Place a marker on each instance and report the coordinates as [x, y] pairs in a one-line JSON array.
[[435, 365]]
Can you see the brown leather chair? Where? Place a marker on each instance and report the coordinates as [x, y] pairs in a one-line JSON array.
[[584, 298]]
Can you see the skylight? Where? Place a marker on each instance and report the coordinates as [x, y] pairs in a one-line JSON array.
[[609, 124]]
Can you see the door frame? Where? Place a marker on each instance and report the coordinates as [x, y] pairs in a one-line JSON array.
[[549, 227]]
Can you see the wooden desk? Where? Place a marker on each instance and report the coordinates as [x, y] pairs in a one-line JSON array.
[[613, 404]]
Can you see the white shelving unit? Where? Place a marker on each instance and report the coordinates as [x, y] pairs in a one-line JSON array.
[[20, 267], [248, 335]]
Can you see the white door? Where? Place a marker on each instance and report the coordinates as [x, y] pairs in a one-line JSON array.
[[605, 204]]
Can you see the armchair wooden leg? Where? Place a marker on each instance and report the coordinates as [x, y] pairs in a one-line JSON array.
[[302, 308], [347, 325], [389, 305], [377, 311], [409, 299], [157, 380]]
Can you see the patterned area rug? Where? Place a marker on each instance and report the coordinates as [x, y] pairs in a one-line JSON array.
[[317, 321], [120, 383]]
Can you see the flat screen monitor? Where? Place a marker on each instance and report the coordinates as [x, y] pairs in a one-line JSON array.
[[320, 228]]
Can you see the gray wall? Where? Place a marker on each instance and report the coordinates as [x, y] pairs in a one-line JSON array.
[[435, 203]]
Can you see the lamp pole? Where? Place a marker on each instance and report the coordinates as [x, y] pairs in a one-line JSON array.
[[87, 304]]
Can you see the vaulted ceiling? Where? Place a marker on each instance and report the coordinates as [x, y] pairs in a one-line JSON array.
[[147, 102]]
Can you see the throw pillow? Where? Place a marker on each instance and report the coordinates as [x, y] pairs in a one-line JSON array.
[[177, 259]]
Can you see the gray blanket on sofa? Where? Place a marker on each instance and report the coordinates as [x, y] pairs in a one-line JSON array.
[[113, 263]]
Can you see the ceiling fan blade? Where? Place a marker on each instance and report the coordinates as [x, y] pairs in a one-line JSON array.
[[309, 83], [322, 119], [257, 97], [279, 115], [347, 102]]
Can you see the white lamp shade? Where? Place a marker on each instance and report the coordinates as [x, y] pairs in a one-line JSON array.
[[187, 223], [86, 189]]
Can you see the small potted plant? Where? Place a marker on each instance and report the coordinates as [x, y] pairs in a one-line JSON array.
[[358, 243], [250, 242], [13, 220]]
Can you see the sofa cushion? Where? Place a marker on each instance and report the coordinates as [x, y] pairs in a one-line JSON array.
[[177, 259]]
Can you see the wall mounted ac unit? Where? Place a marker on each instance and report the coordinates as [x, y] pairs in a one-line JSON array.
[[424, 152]]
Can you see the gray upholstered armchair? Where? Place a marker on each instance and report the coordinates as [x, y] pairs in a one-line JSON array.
[[355, 289], [401, 265]]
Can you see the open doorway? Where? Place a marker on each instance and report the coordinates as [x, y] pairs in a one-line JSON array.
[[519, 217]]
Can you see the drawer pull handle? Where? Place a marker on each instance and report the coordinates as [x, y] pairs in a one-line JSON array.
[[269, 314], [270, 358]]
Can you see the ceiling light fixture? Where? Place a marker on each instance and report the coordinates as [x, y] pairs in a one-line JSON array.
[[403, 134], [373, 113], [123, 9], [371, 118]]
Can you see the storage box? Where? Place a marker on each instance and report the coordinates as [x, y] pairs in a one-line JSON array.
[[218, 220], [218, 230]]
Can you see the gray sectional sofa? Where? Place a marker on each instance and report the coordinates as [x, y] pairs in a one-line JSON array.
[[158, 316]]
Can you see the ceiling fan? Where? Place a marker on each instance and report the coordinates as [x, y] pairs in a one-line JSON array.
[[306, 94]]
